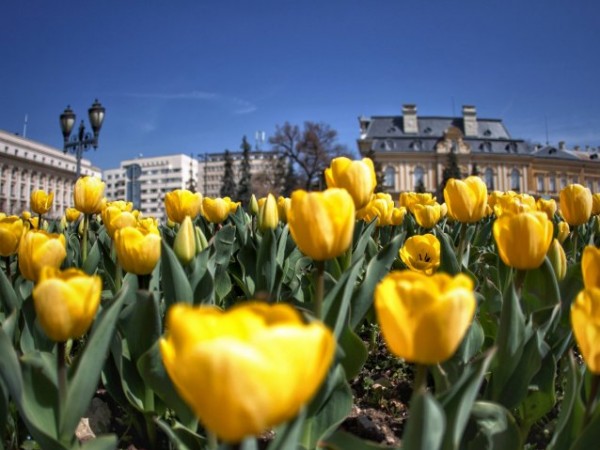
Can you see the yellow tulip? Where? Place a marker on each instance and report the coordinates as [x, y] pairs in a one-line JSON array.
[[523, 239], [41, 202], [410, 199], [381, 207], [253, 205], [72, 214], [513, 203], [11, 230], [596, 204], [245, 370], [466, 200], [427, 216], [590, 267], [421, 253], [120, 204], [283, 206], [357, 177], [181, 202], [115, 218], [66, 302], [424, 318], [398, 215], [576, 204], [268, 216], [216, 210], [184, 245], [322, 223], [563, 231], [547, 206], [138, 249], [89, 195], [558, 259], [38, 249], [585, 321]]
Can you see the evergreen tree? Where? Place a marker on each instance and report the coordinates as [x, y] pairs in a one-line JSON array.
[[228, 181], [420, 187], [378, 170], [244, 189], [452, 170]]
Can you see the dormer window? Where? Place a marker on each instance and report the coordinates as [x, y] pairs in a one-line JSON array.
[[427, 130], [487, 133]]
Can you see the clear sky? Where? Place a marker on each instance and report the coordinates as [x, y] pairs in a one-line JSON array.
[[194, 76]]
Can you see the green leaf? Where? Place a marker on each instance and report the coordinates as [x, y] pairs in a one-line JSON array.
[[342, 440], [224, 241], [153, 373], [495, 428], [542, 395], [182, 437], [140, 322], [378, 267], [108, 442], [448, 260], [355, 352], [459, 399], [426, 424], [287, 436], [176, 286], [8, 297], [337, 301], [510, 342], [10, 370], [362, 236], [266, 263], [328, 409], [84, 376], [90, 266], [570, 417], [540, 289]]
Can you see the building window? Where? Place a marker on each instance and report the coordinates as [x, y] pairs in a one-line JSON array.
[[389, 178], [540, 183], [552, 183], [489, 179], [563, 182], [575, 180], [515, 180], [419, 178]]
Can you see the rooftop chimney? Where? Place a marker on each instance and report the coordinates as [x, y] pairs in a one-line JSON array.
[[561, 145], [409, 119], [470, 120]]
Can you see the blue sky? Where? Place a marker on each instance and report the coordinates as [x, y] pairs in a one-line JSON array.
[[195, 76]]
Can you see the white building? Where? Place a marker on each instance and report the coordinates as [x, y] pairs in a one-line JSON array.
[[144, 181], [27, 165]]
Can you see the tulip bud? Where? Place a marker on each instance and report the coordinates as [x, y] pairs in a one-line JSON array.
[[201, 242], [72, 214], [138, 248], [563, 231], [253, 205], [268, 217], [185, 242], [596, 203], [558, 259]]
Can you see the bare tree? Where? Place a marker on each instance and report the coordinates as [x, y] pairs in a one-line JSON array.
[[310, 149]]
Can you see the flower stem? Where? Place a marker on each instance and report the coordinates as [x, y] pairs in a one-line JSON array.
[[420, 382], [591, 401], [8, 271], [39, 222], [320, 288], [461, 244], [575, 242], [84, 241], [61, 370], [213, 444]]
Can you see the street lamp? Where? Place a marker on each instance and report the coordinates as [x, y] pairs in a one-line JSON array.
[[82, 141]]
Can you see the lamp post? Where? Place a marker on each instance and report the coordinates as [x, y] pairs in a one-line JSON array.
[[82, 141]]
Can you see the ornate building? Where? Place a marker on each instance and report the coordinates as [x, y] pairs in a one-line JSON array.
[[27, 165], [413, 151]]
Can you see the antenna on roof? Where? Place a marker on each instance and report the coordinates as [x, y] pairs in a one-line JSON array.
[[25, 126], [546, 120]]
